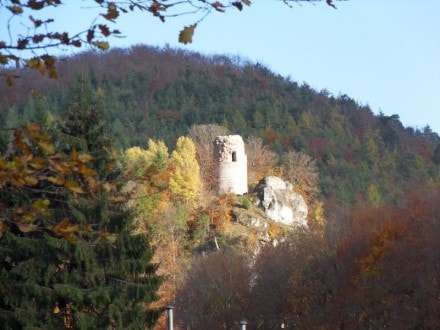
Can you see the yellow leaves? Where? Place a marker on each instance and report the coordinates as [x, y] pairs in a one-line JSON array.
[[102, 45], [57, 180], [37, 163], [135, 153], [185, 182], [317, 222], [42, 64], [43, 141], [185, 36], [29, 181], [74, 187], [108, 237], [47, 174], [373, 195], [41, 206], [56, 309]]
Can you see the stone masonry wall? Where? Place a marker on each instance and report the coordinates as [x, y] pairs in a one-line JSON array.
[[231, 161]]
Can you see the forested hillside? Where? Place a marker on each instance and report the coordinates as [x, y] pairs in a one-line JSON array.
[[160, 93], [371, 257]]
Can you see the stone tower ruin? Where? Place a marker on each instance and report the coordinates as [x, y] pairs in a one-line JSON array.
[[231, 164]]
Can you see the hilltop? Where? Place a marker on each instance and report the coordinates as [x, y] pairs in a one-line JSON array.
[[370, 252]]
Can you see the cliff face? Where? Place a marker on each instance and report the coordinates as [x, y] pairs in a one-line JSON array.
[[280, 203]]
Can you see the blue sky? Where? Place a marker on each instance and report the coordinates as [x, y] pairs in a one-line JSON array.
[[382, 53]]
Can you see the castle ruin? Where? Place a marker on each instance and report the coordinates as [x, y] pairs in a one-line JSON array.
[[231, 164]]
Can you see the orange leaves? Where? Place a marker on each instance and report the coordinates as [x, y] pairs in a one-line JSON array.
[[42, 64], [68, 230], [218, 6], [74, 187], [220, 210], [34, 179], [16, 9], [112, 12], [380, 243]]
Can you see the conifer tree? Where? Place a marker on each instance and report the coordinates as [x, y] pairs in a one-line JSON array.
[[84, 126], [104, 279], [47, 282]]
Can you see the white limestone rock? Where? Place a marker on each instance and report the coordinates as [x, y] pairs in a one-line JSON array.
[[280, 202]]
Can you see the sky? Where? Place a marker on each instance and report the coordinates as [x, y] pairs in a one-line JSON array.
[[385, 54]]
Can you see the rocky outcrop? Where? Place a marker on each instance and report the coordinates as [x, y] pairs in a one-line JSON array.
[[280, 202]]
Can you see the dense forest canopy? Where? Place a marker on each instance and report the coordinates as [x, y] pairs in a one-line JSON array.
[[159, 93], [368, 259]]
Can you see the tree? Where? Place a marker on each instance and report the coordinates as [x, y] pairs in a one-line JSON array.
[[68, 255], [203, 137], [185, 181], [261, 160], [39, 37], [386, 265], [47, 282], [84, 126], [38, 184], [301, 171], [215, 291]]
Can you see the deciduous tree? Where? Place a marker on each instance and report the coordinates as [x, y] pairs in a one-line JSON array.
[[301, 171], [203, 137], [261, 160], [185, 181]]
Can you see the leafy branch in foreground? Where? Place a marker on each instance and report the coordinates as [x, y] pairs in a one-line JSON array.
[[39, 187]]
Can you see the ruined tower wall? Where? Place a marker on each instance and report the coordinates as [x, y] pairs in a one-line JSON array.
[[231, 161]]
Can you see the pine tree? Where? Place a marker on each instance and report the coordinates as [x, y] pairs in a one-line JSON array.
[[104, 279], [84, 126], [50, 283]]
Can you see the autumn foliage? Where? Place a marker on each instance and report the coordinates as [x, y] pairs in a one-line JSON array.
[[36, 182], [368, 259]]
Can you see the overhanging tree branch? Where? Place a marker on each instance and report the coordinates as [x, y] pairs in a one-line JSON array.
[[33, 48]]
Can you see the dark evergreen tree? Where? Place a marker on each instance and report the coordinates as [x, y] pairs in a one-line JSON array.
[[84, 126], [47, 282], [105, 279]]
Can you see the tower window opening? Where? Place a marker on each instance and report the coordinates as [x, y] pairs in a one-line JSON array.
[[234, 156]]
